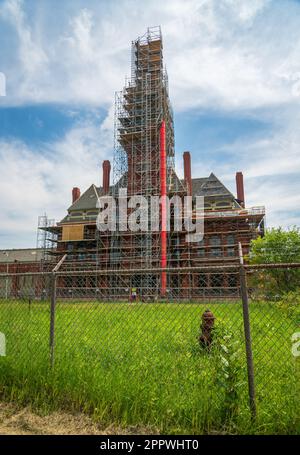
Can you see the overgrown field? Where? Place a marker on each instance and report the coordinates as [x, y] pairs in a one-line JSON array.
[[141, 364]]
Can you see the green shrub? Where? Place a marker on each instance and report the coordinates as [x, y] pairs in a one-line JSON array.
[[290, 304], [277, 246]]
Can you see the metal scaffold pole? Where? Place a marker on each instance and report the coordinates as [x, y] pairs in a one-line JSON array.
[[247, 331], [141, 108]]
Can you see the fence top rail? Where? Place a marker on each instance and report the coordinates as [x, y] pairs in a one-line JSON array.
[[141, 271], [211, 268], [279, 265]]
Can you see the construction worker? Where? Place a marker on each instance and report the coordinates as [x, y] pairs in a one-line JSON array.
[[133, 295]]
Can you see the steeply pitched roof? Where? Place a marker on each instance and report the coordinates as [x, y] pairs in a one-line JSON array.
[[197, 184], [175, 183], [87, 200], [210, 187]]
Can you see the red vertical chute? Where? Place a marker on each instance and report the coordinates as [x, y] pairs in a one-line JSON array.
[[163, 193]]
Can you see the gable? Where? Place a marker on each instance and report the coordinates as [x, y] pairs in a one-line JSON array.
[[213, 190], [87, 201], [212, 186]]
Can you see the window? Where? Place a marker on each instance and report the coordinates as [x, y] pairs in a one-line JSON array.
[[232, 281], [201, 249], [216, 252], [68, 281], [91, 282], [216, 280], [89, 233], [215, 240], [79, 281], [231, 239], [202, 281]]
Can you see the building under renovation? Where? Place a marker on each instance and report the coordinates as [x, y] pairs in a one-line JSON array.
[[143, 164]]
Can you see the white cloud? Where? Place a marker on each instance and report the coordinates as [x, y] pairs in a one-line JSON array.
[[281, 199], [271, 168], [245, 11], [32, 57], [33, 183], [218, 52], [228, 55]]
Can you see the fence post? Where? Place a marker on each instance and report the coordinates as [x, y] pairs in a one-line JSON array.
[[247, 332], [52, 316], [53, 280]]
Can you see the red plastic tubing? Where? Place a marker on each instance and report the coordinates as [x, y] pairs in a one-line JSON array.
[[163, 193]]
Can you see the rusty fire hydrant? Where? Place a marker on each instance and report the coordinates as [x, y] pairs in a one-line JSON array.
[[206, 336]]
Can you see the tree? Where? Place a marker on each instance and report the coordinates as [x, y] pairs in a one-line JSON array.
[[277, 246]]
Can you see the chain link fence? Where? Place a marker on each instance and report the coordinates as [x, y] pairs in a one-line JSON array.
[[219, 348]]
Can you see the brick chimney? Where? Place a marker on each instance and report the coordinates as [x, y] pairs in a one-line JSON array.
[[75, 194], [106, 175], [240, 188], [187, 172]]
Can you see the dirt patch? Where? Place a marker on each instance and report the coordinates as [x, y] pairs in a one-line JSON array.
[[14, 420]]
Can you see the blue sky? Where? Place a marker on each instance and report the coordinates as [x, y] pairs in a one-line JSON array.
[[234, 76]]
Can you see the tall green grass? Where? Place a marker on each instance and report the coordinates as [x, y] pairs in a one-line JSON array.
[[140, 364]]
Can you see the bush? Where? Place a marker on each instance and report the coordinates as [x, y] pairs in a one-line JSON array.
[[290, 304], [277, 246]]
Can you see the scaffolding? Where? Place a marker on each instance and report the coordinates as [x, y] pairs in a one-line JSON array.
[[46, 239], [141, 108]]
